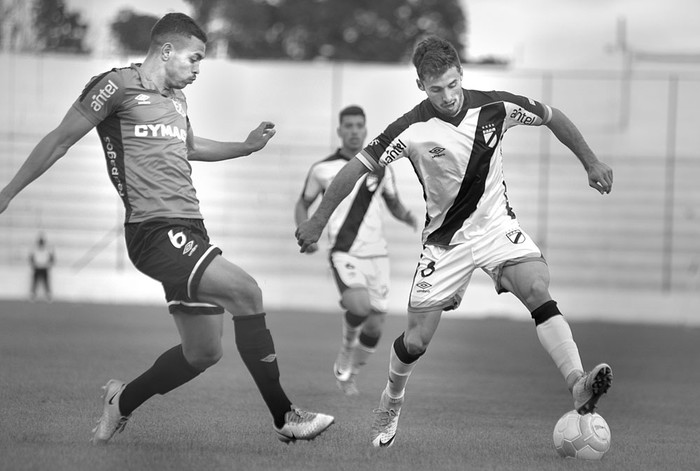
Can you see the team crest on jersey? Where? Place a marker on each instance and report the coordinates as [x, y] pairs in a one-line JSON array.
[[372, 182], [516, 236], [490, 135], [179, 108]]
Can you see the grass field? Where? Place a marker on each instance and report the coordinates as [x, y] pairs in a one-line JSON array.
[[485, 396]]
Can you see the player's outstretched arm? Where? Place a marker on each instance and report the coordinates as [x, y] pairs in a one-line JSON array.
[[51, 148], [309, 231], [213, 151], [600, 176]]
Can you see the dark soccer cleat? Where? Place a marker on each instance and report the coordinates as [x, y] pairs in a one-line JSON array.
[[589, 388]]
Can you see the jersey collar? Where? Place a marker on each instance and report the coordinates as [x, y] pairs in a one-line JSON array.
[[148, 83]]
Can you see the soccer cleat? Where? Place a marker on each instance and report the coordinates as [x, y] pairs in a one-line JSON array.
[[112, 421], [348, 387], [341, 367], [386, 421], [589, 388], [303, 425]]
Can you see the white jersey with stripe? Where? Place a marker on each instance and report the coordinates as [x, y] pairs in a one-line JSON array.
[[458, 160], [356, 225]]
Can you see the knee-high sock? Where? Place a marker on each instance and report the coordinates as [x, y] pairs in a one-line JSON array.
[[401, 364], [168, 372], [555, 336], [257, 350], [365, 347]]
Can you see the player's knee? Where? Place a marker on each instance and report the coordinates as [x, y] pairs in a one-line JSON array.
[[374, 324], [415, 345], [537, 293], [203, 358], [246, 295]]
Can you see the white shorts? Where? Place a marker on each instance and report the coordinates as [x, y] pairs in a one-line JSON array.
[[370, 273], [444, 272]]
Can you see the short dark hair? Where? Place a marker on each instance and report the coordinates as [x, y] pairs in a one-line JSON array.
[[176, 24], [433, 56], [352, 110]]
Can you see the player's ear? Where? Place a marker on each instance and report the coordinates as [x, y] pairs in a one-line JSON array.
[[166, 51], [420, 85]]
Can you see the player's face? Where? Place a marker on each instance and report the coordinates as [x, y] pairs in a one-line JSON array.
[[182, 65], [352, 132], [444, 91]]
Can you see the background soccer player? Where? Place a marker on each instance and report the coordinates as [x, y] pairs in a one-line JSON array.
[[358, 248], [141, 117], [453, 139]]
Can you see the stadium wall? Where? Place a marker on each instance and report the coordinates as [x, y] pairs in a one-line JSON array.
[[640, 239]]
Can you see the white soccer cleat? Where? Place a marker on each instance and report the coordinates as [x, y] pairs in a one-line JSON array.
[[112, 420], [386, 421], [348, 387], [589, 388], [303, 425], [341, 366]]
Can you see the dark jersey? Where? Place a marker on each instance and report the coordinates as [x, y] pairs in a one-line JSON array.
[[144, 134]]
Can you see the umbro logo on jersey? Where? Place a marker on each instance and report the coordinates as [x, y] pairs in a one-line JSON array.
[[374, 142], [190, 248], [142, 99], [490, 135], [516, 236], [269, 359], [437, 152], [424, 285]]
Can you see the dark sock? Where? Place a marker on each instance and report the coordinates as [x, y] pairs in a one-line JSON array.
[[257, 350], [368, 341], [354, 320], [168, 372]]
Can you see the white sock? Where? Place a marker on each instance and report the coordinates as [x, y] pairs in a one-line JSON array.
[[556, 338], [399, 373]]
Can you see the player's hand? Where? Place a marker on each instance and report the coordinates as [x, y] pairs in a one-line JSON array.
[[311, 249], [307, 235], [258, 137], [600, 177]]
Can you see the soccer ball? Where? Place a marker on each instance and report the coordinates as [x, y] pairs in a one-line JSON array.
[[586, 437]]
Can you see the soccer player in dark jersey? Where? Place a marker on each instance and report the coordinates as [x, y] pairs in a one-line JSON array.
[[358, 249], [453, 140], [141, 117]]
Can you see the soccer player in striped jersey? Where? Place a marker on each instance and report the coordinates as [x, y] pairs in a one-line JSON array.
[[453, 140], [358, 249], [140, 113]]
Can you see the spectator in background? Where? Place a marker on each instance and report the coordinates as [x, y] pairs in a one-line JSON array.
[[42, 259]]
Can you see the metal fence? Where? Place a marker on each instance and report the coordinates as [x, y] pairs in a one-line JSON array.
[[643, 235]]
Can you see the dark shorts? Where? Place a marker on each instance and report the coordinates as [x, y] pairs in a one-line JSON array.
[[175, 252]]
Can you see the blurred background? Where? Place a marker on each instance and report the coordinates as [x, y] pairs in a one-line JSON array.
[[627, 72]]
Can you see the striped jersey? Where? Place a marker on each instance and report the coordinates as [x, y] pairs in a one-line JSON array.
[[458, 160], [144, 133], [356, 225]]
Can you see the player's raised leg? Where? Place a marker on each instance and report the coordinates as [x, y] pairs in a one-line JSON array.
[[227, 285], [529, 282]]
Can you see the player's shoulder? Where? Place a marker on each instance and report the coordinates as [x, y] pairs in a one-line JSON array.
[[109, 81]]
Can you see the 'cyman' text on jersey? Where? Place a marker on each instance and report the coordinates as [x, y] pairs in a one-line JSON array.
[[144, 133]]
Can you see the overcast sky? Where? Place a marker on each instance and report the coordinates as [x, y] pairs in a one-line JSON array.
[[531, 33]]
